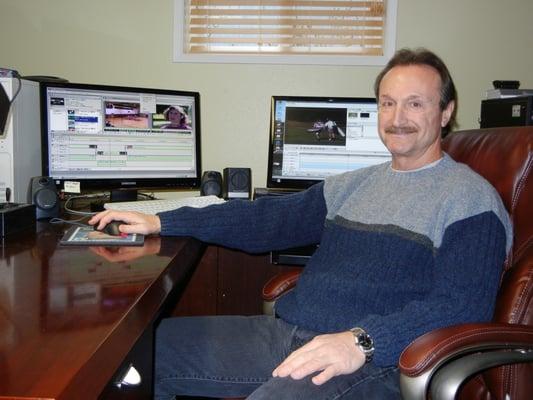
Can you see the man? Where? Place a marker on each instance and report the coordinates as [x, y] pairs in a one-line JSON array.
[[402, 247], [333, 129]]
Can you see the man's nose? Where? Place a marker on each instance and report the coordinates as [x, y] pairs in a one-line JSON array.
[[399, 116]]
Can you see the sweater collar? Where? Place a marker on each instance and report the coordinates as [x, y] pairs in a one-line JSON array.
[[427, 166]]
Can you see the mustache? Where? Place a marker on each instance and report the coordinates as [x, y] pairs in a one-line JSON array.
[[400, 129]]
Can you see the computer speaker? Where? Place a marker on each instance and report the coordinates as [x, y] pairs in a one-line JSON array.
[[237, 183], [43, 193], [211, 184]]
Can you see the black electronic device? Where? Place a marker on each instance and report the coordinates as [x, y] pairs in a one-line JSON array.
[[237, 183], [211, 184], [98, 137], [312, 138], [293, 256], [16, 217], [510, 111], [272, 192], [503, 84], [43, 194]]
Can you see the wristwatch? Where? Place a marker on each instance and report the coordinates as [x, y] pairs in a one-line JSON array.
[[364, 341]]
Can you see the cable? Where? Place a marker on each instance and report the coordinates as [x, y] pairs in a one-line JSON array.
[[149, 196], [87, 196], [5, 103], [17, 76], [70, 199], [70, 222]]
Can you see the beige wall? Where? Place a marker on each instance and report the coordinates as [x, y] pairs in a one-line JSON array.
[[129, 42]]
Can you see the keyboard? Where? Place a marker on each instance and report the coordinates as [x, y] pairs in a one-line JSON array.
[[156, 206]]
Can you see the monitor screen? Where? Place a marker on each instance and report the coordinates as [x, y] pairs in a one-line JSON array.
[[312, 138], [111, 137]]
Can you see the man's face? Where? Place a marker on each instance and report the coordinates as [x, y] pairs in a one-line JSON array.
[[410, 119]]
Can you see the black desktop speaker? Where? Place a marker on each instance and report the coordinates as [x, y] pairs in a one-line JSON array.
[[43, 193], [237, 183], [211, 184]]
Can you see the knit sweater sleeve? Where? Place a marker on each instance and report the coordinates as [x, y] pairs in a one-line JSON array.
[[268, 223], [467, 269]]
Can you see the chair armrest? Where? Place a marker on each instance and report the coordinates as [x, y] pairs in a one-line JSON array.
[[474, 347], [280, 284], [435, 347]]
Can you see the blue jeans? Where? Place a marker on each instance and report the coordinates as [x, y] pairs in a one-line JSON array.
[[234, 356]]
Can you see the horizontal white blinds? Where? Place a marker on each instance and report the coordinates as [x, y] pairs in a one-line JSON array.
[[312, 27]]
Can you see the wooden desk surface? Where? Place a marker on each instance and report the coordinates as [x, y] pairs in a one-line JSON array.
[[70, 315]]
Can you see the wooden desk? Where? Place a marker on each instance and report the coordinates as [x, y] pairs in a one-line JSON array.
[[73, 318]]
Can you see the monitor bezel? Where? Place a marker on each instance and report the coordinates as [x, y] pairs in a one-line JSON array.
[[299, 184], [126, 183]]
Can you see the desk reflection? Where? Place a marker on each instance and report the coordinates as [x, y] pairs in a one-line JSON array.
[[152, 245], [95, 285]]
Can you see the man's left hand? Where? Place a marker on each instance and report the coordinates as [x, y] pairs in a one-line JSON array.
[[333, 354]]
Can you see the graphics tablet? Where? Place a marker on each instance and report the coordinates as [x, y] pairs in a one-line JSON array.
[[87, 236]]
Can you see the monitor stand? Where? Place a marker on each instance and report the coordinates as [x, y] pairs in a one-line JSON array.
[[118, 195]]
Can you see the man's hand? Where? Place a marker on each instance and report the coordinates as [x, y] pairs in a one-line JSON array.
[[152, 245], [333, 354], [134, 222]]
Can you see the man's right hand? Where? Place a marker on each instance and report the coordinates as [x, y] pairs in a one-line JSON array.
[[133, 222], [117, 254], [332, 354]]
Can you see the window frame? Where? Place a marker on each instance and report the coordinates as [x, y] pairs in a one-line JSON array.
[[389, 47]]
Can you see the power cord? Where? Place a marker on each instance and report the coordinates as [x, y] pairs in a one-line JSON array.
[[69, 221], [71, 199], [149, 196], [17, 76]]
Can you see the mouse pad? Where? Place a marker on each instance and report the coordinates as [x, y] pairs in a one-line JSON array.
[[87, 236]]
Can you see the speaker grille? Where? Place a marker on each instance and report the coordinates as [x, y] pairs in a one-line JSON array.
[[237, 183], [211, 184], [240, 180]]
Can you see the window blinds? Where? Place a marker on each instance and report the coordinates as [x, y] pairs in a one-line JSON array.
[[283, 27]]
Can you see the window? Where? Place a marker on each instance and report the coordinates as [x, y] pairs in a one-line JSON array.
[[349, 32]]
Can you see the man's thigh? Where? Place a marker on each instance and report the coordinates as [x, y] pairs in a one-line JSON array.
[[368, 383], [220, 356], [233, 356]]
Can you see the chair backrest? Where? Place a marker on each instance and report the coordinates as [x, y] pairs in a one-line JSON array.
[[504, 156]]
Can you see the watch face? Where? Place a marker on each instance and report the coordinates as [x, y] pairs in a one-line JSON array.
[[365, 341]]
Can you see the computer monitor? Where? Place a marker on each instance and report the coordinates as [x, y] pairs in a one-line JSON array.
[[98, 137], [312, 138]]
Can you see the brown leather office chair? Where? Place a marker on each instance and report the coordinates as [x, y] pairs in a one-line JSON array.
[[437, 364]]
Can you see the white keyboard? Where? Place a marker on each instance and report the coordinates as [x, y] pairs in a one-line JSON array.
[[156, 206]]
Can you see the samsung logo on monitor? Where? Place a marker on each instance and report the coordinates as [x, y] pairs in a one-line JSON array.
[[128, 183]]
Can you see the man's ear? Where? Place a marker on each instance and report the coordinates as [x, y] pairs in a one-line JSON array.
[[447, 113]]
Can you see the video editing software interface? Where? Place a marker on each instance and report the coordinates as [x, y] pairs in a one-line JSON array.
[[105, 133], [313, 138]]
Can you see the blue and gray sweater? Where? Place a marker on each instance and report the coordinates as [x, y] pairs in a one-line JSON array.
[[401, 252]]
